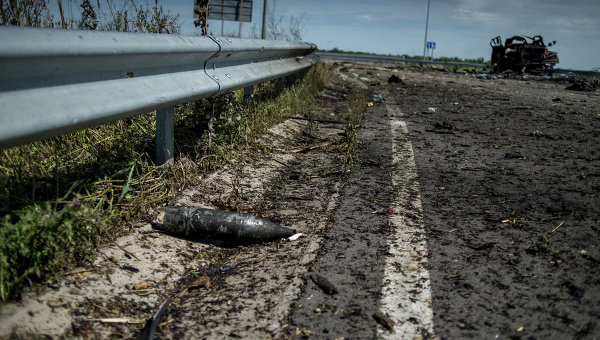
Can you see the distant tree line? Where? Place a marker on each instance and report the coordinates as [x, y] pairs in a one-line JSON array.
[[479, 60]]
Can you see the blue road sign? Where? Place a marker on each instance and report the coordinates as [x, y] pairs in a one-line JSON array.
[[431, 44]]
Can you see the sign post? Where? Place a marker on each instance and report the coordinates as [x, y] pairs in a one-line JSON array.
[[426, 27], [230, 10], [431, 46]]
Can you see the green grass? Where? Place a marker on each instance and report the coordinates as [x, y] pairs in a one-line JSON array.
[[43, 241], [63, 197]]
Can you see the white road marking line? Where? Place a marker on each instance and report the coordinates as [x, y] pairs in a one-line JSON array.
[[406, 288]]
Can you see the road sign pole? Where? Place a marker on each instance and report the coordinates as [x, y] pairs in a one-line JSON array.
[[426, 27], [264, 22], [241, 17]]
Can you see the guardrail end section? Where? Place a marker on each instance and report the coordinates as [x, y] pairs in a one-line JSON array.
[[165, 137]]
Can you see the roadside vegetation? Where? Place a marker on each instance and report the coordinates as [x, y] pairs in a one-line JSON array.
[[63, 197], [357, 106]]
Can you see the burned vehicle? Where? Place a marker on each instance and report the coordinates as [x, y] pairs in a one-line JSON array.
[[521, 55]]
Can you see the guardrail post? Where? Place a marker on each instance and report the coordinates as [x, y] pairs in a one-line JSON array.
[[165, 138], [248, 91]]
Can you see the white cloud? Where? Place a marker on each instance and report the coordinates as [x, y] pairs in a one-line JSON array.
[[366, 17]]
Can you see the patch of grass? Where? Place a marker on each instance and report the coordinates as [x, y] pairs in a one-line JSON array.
[[43, 241], [63, 197]]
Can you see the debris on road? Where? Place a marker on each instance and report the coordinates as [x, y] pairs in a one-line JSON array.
[[384, 320], [442, 128], [118, 320], [295, 237], [201, 282], [395, 79], [142, 285], [582, 85], [221, 225], [324, 284], [377, 98], [150, 327], [131, 268]]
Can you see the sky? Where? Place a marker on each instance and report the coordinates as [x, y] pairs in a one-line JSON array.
[[460, 28]]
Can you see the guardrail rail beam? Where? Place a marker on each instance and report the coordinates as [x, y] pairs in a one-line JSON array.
[[55, 81]]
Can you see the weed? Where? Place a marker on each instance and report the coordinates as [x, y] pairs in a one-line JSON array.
[[545, 238], [357, 105], [25, 13]]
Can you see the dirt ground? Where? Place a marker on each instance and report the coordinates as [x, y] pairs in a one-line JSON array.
[[510, 179], [471, 212]]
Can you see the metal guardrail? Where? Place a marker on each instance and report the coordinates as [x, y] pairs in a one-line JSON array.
[[55, 81], [382, 58]]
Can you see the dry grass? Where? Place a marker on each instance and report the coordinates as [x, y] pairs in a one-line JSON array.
[[357, 105]]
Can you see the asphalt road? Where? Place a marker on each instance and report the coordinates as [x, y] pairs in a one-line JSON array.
[[472, 213]]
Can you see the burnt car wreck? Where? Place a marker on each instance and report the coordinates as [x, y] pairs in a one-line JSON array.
[[521, 55]]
